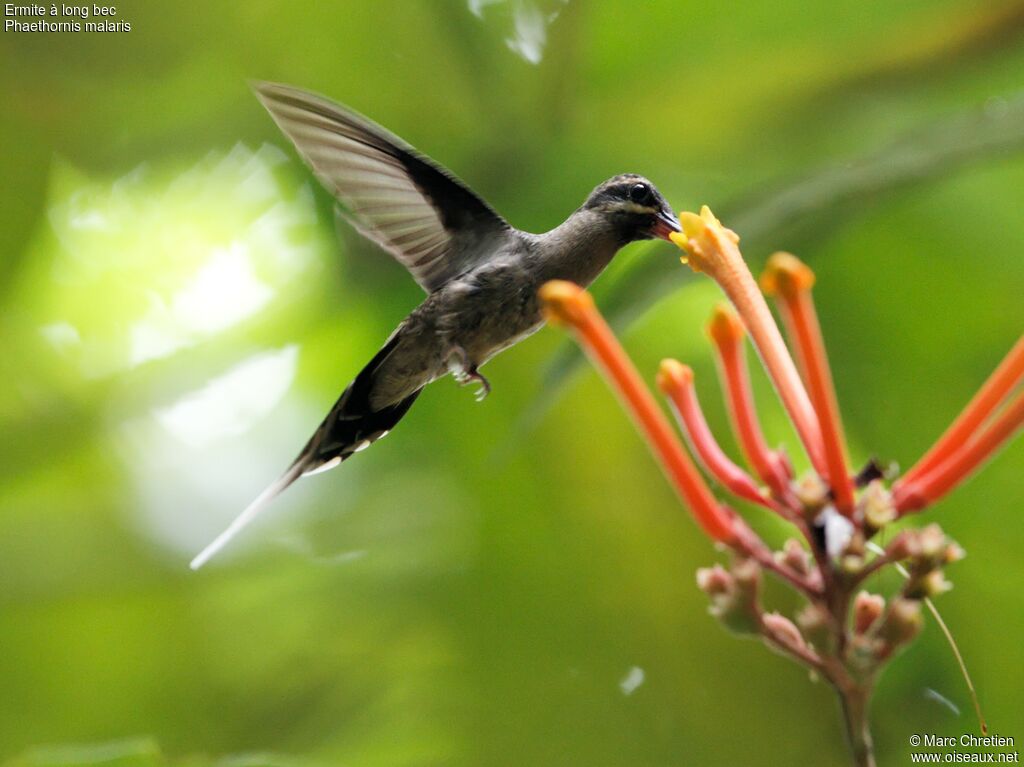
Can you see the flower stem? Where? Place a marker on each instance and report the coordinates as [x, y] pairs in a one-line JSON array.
[[854, 699], [917, 492], [568, 304], [727, 333], [712, 248], [790, 279], [998, 385], [676, 381]]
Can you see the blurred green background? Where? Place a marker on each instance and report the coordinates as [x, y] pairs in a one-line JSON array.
[[500, 584]]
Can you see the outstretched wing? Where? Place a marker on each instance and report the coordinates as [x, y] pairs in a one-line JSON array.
[[402, 200]]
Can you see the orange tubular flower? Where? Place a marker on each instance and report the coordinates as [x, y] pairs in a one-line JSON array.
[[1009, 373], [676, 381], [788, 278], [712, 248], [727, 333], [917, 492], [842, 633], [566, 303]]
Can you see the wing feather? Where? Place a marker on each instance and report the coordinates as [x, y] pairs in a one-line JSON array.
[[398, 198]]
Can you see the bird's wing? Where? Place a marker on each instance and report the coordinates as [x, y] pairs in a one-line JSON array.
[[402, 200]]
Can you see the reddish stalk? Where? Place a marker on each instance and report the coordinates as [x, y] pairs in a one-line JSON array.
[[676, 381], [712, 248], [791, 281], [568, 304], [916, 493], [727, 333], [1009, 373]]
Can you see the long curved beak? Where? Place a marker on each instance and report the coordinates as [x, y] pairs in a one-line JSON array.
[[665, 222]]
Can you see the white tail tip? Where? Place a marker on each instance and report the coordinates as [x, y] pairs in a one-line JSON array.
[[247, 516]]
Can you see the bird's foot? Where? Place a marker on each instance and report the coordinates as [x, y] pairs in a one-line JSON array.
[[485, 386], [471, 374], [464, 372]]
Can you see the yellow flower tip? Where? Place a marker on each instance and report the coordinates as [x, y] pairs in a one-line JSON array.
[[711, 220], [786, 275], [693, 225], [708, 216], [680, 239], [673, 375], [725, 327], [690, 248], [696, 224], [564, 302], [702, 238]]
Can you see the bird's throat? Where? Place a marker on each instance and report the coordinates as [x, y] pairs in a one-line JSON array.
[[580, 248]]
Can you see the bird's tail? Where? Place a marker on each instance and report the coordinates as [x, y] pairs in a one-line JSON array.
[[247, 516], [352, 425]]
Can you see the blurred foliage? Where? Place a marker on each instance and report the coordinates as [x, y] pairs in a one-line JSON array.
[[176, 316]]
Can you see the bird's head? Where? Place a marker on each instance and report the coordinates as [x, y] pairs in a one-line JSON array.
[[634, 207]]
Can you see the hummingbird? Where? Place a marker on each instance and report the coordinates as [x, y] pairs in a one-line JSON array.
[[480, 273]]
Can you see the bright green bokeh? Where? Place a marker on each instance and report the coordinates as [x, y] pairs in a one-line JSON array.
[[178, 310]]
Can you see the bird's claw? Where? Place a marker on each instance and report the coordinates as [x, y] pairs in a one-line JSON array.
[[485, 388], [465, 373], [466, 377]]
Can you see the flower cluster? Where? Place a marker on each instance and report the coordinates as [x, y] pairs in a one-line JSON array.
[[843, 633]]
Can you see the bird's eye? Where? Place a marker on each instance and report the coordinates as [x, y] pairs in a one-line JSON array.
[[640, 194]]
